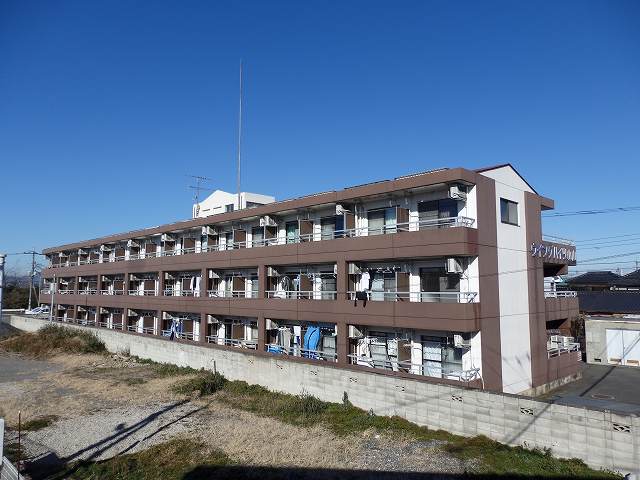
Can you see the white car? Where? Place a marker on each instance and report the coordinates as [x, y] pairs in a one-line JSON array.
[[37, 311]]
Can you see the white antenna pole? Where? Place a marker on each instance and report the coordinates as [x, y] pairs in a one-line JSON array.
[[239, 134]]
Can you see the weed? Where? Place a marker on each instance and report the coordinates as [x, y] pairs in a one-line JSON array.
[[54, 339], [206, 383], [38, 423], [165, 369], [172, 460]]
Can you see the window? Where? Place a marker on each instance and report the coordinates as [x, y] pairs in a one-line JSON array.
[[429, 212], [381, 221], [508, 211], [293, 232], [257, 237], [328, 228], [228, 208]]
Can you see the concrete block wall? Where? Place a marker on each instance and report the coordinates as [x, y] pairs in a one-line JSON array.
[[601, 438]]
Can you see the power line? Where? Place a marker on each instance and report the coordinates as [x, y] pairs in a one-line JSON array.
[[589, 240], [591, 212]]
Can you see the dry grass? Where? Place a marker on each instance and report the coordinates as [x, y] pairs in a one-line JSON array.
[[53, 339]]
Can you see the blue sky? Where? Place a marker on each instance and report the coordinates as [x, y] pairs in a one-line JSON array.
[[106, 107]]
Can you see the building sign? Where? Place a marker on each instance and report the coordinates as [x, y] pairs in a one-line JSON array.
[[553, 252]]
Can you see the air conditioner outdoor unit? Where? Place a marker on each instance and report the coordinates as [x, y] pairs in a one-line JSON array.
[[341, 209], [270, 324], [165, 237], [105, 248], [213, 274], [209, 231], [454, 265], [211, 319], [82, 252], [132, 313], [354, 269], [458, 192], [460, 342], [132, 243], [272, 272], [267, 221], [354, 332]]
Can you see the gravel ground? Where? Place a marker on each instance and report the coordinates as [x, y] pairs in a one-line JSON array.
[[103, 413]]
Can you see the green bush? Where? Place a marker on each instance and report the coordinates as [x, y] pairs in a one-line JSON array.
[[206, 383]]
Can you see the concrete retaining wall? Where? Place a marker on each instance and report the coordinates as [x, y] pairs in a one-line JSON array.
[[601, 438]]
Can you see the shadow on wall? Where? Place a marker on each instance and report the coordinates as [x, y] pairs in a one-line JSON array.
[[241, 472]]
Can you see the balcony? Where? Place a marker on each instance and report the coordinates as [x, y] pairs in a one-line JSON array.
[[302, 295], [232, 294], [300, 237], [177, 292], [142, 293], [560, 305], [232, 342], [430, 297], [559, 294]]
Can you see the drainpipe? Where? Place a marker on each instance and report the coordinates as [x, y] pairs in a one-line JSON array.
[[51, 290]]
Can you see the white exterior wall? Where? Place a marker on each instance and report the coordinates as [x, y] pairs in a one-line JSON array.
[[218, 200], [513, 284]]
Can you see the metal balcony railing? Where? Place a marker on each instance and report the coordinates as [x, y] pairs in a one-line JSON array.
[[111, 292], [142, 293], [175, 292], [444, 370], [88, 291], [232, 342], [555, 350], [232, 294], [302, 295], [296, 351], [560, 294], [427, 297]]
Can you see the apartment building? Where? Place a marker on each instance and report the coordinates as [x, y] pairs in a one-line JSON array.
[[438, 275]]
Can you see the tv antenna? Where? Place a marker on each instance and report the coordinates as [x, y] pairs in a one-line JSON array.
[[239, 133], [200, 184]]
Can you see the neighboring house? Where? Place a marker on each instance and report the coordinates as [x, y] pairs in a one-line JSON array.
[[613, 340], [593, 281]]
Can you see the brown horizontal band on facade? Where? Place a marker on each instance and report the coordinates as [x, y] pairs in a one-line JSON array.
[[349, 194], [451, 241], [561, 308]]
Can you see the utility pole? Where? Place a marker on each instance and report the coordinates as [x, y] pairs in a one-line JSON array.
[[33, 275], [2, 257], [52, 288]]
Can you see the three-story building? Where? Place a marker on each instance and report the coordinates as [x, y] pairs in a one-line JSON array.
[[439, 275]]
